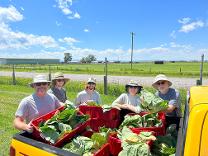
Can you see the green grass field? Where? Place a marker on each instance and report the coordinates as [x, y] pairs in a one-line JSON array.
[[177, 69], [10, 96]]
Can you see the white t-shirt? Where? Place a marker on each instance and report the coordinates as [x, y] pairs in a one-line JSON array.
[[33, 106], [84, 96], [126, 98]]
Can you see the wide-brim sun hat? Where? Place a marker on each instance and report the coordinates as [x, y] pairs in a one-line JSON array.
[[59, 76], [133, 84], [161, 77], [91, 80], [39, 79]]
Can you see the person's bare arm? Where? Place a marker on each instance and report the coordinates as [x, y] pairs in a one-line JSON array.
[[170, 108], [21, 125]]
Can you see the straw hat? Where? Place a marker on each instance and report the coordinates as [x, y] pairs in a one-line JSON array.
[[91, 80], [59, 76], [161, 77], [39, 79]]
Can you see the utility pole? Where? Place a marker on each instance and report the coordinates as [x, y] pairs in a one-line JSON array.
[[201, 68], [132, 47]]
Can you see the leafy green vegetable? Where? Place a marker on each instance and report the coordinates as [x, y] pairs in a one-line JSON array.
[[152, 103], [134, 144], [49, 133], [148, 120], [61, 123]]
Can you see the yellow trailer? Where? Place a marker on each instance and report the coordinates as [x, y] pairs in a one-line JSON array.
[[192, 135]]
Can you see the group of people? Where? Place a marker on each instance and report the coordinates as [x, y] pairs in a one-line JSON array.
[[44, 100]]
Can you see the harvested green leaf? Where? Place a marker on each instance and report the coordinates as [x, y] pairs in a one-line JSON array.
[[152, 103], [49, 133]]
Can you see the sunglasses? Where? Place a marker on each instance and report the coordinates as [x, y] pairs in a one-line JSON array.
[[91, 83], [41, 83], [60, 80], [161, 83]]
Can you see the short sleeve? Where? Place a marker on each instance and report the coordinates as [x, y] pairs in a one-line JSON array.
[[78, 99], [22, 110], [119, 100]]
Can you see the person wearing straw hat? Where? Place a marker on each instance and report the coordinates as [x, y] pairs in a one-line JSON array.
[[58, 82], [89, 94], [129, 102], [163, 86], [35, 105]]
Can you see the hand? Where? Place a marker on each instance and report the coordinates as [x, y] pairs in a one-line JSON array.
[[28, 128]]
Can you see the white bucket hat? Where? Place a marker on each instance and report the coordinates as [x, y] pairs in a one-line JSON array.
[[133, 83], [39, 79], [161, 77], [92, 80]]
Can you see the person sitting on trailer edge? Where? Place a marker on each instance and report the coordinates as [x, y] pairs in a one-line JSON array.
[[129, 102], [35, 105], [58, 82], [173, 112], [89, 95]]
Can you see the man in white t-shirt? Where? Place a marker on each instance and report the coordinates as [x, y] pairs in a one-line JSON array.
[[35, 105]]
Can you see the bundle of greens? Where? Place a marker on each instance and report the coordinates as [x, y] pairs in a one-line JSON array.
[[147, 120], [61, 123], [135, 144], [164, 146], [87, 146], [152, 103]]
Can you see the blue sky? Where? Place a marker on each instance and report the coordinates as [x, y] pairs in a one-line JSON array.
[[169, 30]]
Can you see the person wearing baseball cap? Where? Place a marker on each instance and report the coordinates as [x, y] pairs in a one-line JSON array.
[[89, 94], [58, 82], [35, 105], [129, 102], [163, 86]]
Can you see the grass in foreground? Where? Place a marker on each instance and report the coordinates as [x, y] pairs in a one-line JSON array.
[[10, 96]]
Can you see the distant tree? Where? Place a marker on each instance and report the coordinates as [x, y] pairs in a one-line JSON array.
[[90, 58], [68, 58], [83, 60]]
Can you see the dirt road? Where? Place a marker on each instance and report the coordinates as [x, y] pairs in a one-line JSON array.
[[145, 81]]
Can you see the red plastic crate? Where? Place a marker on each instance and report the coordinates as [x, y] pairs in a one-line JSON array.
[[104, 150], [115, 143], [36, 133], [157, 130], [93, 111], [95, 124], [112, 123], [112, 114]]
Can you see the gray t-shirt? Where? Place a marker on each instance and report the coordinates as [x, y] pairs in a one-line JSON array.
[[59, 93], [33, 106], [173, 96], [84, 96], [129, 99]]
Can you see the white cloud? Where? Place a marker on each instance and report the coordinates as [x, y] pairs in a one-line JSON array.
[[68, 40], [10, 14], [16, 39], [186, 28], [75, 16], [58, 24], [184, 20], [65, 6], [22, 8], [86, 30], [173, 34]]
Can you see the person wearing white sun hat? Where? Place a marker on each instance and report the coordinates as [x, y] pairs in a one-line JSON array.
[[89, 94], [163, 86], [35, 105]]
